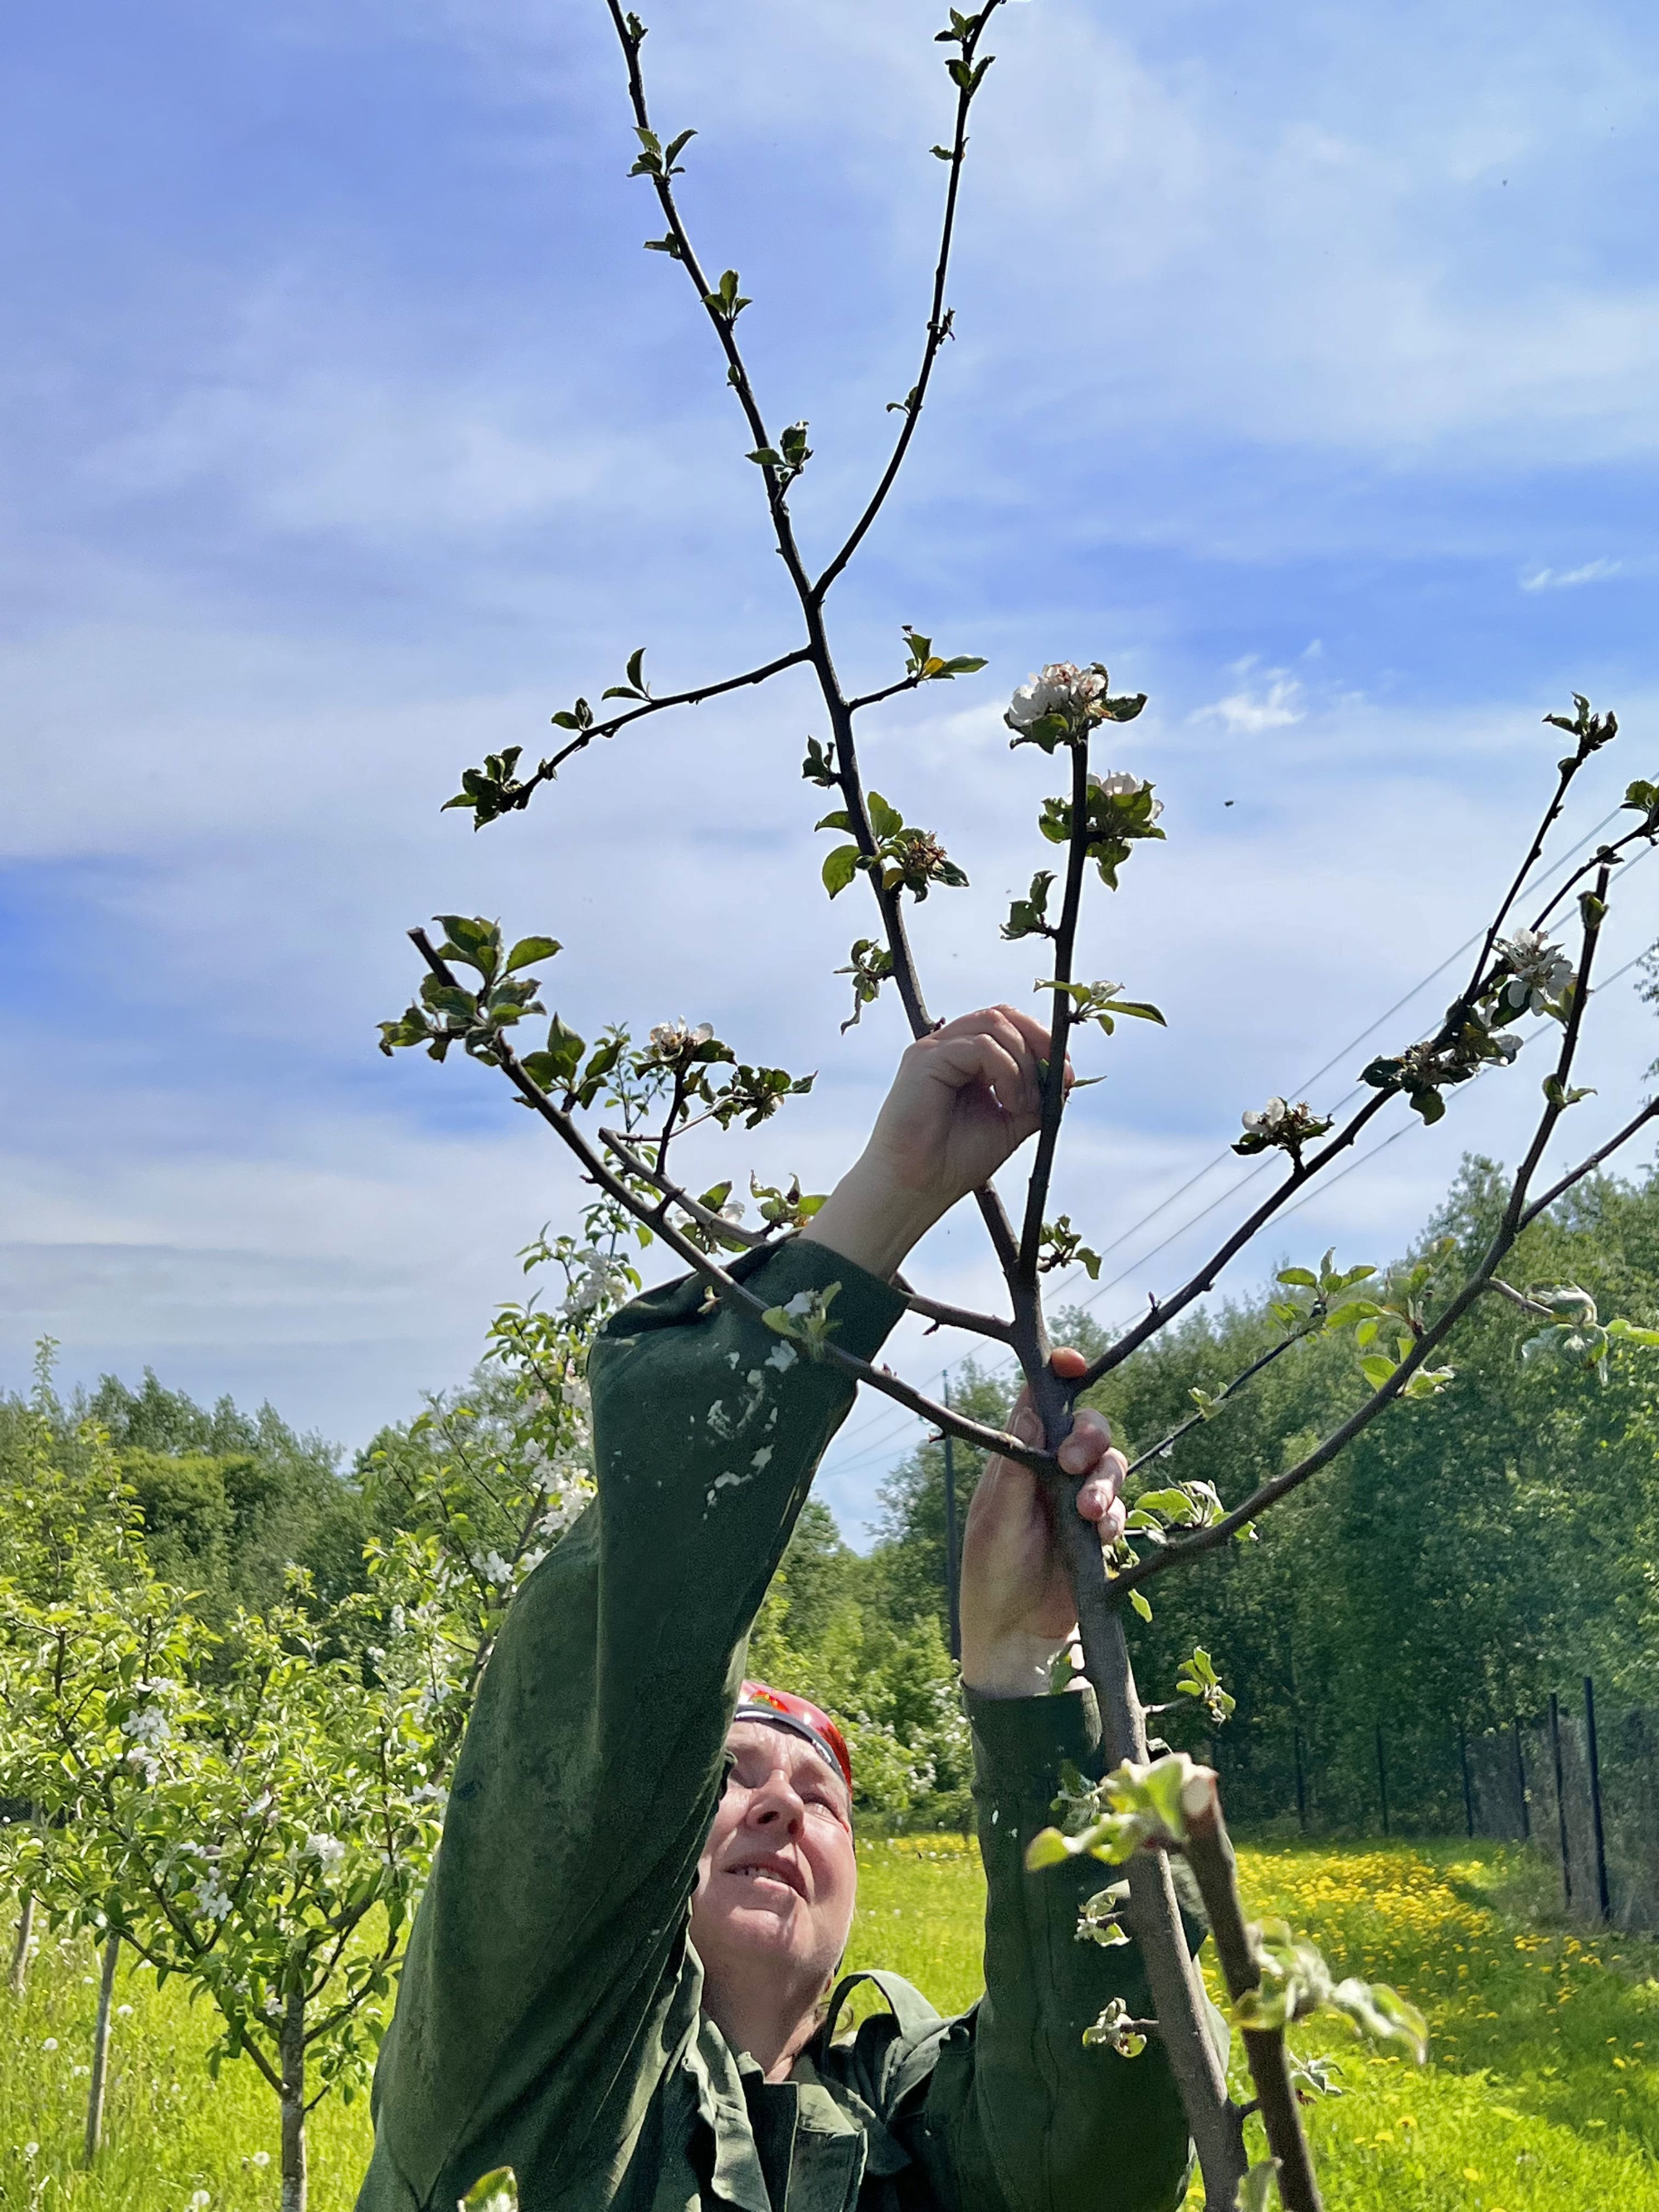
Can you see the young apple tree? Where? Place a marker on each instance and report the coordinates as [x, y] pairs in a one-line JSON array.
[[621, 1106]]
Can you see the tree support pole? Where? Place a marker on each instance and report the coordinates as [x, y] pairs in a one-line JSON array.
[[96, 2085], [1560, 1801], [1602, 1897], [22, 1943], [292, 2052]]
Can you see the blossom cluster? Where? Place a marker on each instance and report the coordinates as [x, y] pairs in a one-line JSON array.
[[1539, 972]]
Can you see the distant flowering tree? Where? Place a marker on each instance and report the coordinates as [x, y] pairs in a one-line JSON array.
[[257, 1811], [620, 1110], [256, 1815], [485, 1481]]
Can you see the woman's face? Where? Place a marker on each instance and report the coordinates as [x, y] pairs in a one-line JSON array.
[[778, 1878]]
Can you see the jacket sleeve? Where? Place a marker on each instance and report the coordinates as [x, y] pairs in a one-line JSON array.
[[1017, 2116], [544, 1967]]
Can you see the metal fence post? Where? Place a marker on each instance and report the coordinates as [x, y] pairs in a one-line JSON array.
[[1521, 1782], [1382, 1777], [1468, 1794], [1560, 1798], [1602, 1898]]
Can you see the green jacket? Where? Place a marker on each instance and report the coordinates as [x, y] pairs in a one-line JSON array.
[[549, 2015]]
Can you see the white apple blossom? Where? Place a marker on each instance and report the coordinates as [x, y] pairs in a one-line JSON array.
[[1062, 687], [670, 1039], [327, 1851], [1119, 784], [211, 1901], [595, 1278], [1541, 971], [1271, 1118]]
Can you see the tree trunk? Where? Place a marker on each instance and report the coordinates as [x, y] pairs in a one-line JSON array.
[[293, 2056], [1209, 1855], [101, 2051], [1154, 1918], [20, 1951]]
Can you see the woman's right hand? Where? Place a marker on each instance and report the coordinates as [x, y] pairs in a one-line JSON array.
[[964, 1098]]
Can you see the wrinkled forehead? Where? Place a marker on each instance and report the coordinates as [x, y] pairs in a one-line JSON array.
[[761, 1749]]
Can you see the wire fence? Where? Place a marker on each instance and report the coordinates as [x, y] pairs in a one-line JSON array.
[[1580, 1785]]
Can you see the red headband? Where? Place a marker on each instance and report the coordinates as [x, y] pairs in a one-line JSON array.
[[779, 1708]]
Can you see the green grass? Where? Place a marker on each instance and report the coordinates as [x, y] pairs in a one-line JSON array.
[[169, 2130], [1539, 2092]]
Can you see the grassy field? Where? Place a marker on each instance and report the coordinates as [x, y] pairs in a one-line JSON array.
[[1539, 2092]]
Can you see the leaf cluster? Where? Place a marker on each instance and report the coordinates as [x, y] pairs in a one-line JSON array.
[[1115, 822], [905, 859], [446, 1013]]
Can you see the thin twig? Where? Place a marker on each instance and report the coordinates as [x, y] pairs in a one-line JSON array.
[[1197, 1420], [949, 1316], [547, 770], [938, 324], [1060, 1019], [1162, 1312], [1515, 1219], [730, 1291], [704, 1216], [875, 698], [776, 482]]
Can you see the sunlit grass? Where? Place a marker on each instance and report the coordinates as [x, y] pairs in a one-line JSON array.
[[170, 2131], [1540, 2095]]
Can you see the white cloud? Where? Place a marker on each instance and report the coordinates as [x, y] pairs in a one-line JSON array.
[[1246, 714], [1563, 580]]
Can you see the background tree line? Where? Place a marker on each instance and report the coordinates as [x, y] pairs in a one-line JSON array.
[[1457, 1564]]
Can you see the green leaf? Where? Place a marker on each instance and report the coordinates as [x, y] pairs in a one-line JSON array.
[[1301, 1277], [1631, 1334], [472, 939], [1046, 1849], [841, 819], [942, 153], [496, 2192], [528, 949], [1138, 1599], [886, 820], [1382, 2014], [819, 767], [1254, 2190], [1378, 1369], [839, 869], [671, 153]]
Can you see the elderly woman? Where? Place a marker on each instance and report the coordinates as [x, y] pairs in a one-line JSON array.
[[616, 1982]]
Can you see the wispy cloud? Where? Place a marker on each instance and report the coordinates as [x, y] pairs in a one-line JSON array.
[[1247, 713], [1563, 580], [372, 446]]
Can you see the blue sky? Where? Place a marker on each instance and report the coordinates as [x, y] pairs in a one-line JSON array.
[[1306, 373]]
